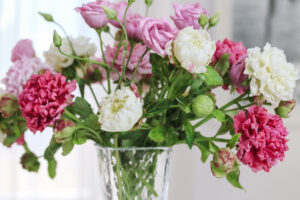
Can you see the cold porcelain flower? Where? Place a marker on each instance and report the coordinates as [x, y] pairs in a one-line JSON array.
[[156, 33], [272, 78], [194, 49], [188, 15], [263, 140], [120, 111], [44, 99], [22, 49], [144, 69], [81, 45], [18, 75]]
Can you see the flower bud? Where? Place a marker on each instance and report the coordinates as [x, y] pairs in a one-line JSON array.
[[285, 108], [223, 162], [57, 41], [214, 20], [148, 2], [8, 105], [203, 20], [63, 130], [110, 13], [47, 17], [203, 106]]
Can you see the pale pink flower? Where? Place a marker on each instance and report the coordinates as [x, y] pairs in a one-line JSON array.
[[133, 28], [22, 49]]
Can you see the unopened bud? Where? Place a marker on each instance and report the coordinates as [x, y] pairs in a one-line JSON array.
[[47, 16], [8, 105], [110, 13], [203, 20], [148, 2], [223, 162], [63, 130], [285, 108], [57, 40], [214, 20], [203, 106]]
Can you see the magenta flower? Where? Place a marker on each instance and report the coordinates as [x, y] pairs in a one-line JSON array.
[[188, 15], [237, 76], [263, 140], [144, 69], [22, 49], [44, 99]]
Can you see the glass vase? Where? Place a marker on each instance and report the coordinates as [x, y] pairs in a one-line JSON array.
[[133, 173]]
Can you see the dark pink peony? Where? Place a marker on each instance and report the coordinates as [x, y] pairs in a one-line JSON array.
[[44, 99], [188, 15], [263, 139], [138, 50], [22, 49], [156, 33]]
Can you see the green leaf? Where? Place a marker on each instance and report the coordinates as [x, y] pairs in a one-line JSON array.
[[171, 136], [67, 147], [79, 137], [69, 72], [211, 77], [179, 85], [223, 64], [81, 85], [157, 134], [82, 108], [52, 168], [159, 64], [190, 133], [46, 16], [226, 126], [92, 122], [52, 149], [158, 107], [10, 139], [232, 143], [196, 86], [212, 147], [233, 178], [203, 146], [219, 115], [30, 162]]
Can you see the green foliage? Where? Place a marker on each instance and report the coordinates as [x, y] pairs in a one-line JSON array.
[[67, 147], [190, 133], [219, 115], [82, 108], [232, 143], [211, 77], [30, 162], [157, 107], [226, 126], [212, 147], [179, 85], [204, 148], [49, 156], [92, 122], [79, 137], [223, 65], [233, 178], [158, 134]]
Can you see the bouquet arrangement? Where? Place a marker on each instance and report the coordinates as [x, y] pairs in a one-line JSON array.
[[160, 79]]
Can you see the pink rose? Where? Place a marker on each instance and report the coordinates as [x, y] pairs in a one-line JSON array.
[[263, 140], [156, 33], [133, 28], [188, 15], [237, 76], [23, 48], [93, 14]]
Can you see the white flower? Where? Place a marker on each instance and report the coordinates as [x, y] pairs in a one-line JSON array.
[[120, 111], [272, 78], [194, 49], [81, 45]]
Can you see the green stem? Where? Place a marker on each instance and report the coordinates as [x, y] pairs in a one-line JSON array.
[[67, 36], [147, 11], [94, 95], [71, 116], [26, 147], [118, 168], [239, 108]]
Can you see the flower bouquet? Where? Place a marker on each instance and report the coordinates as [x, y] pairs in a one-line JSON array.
[[159, 80]]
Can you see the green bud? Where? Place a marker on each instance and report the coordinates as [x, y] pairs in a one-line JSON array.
[[203, 106], [214, 20], [8, 105], [30, 162], [285, 108], [148, 2], [224, 161], [203, 20], [157, 134], [110, 13], [63, 130], [131, 1], [47, 17], [56, 39]]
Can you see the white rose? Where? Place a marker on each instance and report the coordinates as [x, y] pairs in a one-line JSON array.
[[120, 111], [81, 45], [194, 49], [272, 78]]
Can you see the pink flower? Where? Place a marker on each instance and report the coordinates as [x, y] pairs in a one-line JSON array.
[[263, 140], [156, 33], [44, 99], [93, 14], [120, 8], [22, 49], [237, 76], [133, 28], [188, 15], [18, 75], [144, 69]]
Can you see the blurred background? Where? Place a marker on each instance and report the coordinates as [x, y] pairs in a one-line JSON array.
[[252, 21]]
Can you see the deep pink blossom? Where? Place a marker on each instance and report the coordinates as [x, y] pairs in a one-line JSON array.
[[144, 69], [156, 33], [44, 99], [237, 76], [22, 49], [188, 15], [263, 140], [18, 75]]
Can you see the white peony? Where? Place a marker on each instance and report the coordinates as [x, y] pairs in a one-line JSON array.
[[272, 78], [81, 45], [194, 49], [120, 111]]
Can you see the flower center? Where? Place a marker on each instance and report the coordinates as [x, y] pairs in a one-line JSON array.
[[197, 43]]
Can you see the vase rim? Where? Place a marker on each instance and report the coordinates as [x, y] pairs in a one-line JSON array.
[[98, 146]]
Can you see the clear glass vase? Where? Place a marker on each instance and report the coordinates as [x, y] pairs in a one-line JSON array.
[[133, 173]]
